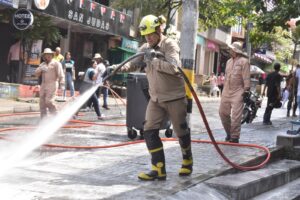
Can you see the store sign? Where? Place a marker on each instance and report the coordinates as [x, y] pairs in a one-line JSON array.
[[89, 13], [212, 46], [130, 44], [22, 19]]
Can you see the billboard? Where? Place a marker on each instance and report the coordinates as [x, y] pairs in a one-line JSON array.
[[88, 13]]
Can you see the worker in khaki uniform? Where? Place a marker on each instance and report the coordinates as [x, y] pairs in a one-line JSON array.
[[237, 85], [167, 97], [52, 75]]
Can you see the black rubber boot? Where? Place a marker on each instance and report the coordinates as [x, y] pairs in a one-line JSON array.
[[186, 149], [234, 140], [227, 138], [155, 147]]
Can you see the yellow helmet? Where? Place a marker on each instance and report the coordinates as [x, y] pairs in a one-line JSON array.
[[148, 24]]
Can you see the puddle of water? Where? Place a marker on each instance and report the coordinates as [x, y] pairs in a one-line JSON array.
[[17, 151]]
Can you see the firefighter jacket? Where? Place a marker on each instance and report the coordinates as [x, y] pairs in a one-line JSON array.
[[165, 81], [53, 76], [237, 78]]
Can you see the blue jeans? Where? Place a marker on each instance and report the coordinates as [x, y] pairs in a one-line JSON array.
[[105, 95], [69, 83]]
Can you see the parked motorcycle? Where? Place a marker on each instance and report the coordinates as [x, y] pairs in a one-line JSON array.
[[252, 102]]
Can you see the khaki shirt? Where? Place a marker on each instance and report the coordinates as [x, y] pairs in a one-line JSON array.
[[237, 77], [53, 75], [165, 81]]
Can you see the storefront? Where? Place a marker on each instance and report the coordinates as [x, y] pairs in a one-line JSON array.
[[119, 53], [87, 27], [211, 57]]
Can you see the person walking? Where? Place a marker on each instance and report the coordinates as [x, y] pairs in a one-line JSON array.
[[293, 91], [237, 85], [220, 81], [167, 98], [104, 89], [89, 79], [297, 74], [69, 69], [101, 70], [13, 60], [52, 76], [273, 81], [213, 85]]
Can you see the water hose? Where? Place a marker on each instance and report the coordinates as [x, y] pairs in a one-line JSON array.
[[213, 141], [236, 166]]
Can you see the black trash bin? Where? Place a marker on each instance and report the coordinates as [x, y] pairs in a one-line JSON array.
[[137, 100]]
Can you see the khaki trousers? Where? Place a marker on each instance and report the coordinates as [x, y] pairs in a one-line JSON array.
[[157, 115], [230, 112]]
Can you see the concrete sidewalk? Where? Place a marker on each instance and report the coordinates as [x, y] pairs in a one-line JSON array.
[[32, 104]]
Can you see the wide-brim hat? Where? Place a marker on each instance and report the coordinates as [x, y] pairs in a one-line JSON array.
[[237, 47], [97, 55], [48, 51]]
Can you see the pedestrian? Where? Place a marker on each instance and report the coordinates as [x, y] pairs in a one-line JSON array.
[[297, 74], [13, 61], [105, 87], [52, 76], [57, 55], [236, 85], [101, 70], [221, 80], [291, 83], [213, 84], [167, 98], [282, 84], [285, 96], [273, 81], [69, 69], [88, 82]]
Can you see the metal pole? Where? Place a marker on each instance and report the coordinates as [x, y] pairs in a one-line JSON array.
[[249, 27], [188, 42]]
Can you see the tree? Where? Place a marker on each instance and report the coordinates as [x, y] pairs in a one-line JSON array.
[[275, 13]]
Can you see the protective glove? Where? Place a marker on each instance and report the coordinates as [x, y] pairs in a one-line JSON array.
[[44, 68], [246, 95], [149, 54]]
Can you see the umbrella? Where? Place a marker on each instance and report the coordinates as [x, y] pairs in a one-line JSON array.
[[256, 70]]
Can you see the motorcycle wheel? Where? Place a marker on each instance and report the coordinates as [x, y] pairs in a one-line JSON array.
[[245, 116]]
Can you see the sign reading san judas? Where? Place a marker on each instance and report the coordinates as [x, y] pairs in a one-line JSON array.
[[87, 13]]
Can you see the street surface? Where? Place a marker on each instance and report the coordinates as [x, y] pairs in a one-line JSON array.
[[111, 173]]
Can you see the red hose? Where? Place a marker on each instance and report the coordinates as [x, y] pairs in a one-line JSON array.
[[244, 168], [213, 141]]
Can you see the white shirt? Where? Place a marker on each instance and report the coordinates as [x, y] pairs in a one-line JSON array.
[[100, 69]]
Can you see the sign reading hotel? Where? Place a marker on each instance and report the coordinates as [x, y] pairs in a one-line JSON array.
[[87, 13]]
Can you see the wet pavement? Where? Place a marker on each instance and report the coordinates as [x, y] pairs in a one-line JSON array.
[[111, 173]]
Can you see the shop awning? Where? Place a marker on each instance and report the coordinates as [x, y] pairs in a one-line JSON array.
[[262, 58], [256, 70]]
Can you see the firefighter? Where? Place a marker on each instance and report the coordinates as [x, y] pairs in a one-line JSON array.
[[237, 85], [52, 75], [167, 97]]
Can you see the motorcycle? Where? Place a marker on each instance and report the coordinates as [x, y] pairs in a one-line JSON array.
[[252, 102]]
